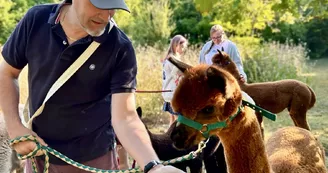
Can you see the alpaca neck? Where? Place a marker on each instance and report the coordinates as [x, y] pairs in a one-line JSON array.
[[244, 147], [232, 68]]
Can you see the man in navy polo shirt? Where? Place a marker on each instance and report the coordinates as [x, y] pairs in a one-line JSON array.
[[77, 120]]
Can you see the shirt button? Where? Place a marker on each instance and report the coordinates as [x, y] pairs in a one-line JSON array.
[[64, 42]]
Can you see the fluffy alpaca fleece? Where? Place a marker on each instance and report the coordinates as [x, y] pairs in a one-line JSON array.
[[275, 96], [217, 99]]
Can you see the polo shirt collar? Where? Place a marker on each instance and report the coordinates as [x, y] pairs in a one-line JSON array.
[[53, 18]]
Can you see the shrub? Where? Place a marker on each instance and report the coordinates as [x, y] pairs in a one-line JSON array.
[[274, 61]]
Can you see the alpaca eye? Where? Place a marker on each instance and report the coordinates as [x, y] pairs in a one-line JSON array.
[[208, 110], [227, 63]]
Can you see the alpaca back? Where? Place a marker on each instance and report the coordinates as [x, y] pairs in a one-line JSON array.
[[295, 150]]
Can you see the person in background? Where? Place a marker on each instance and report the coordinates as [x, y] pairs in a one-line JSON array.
[[171, 74], [221, 42]]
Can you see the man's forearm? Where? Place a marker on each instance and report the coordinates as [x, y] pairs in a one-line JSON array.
[[135, 139], [9, 99]]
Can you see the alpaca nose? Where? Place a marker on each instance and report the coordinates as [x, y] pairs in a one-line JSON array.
[[178, 138]]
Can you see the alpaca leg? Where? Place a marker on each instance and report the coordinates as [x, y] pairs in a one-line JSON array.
[[123, 158], [299, 117]]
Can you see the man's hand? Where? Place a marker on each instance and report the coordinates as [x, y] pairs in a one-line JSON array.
[[25, 147], [165, 169]]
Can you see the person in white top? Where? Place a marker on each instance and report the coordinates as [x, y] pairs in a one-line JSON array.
[[219, 41], [171, 74]]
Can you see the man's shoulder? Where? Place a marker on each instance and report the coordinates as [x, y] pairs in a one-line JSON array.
[[122, 39], [41, 10], [39, 14]]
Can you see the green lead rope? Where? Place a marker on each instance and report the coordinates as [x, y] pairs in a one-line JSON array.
[[46, 150], [264, 112]]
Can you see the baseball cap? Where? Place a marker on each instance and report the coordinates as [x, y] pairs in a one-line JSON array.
[[110, 4]]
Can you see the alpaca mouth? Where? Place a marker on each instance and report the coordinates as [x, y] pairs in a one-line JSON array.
[[179, 145], [183, 143]]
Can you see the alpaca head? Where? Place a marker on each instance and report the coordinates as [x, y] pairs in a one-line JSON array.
[[221, 59], [224, 61], [205, 95]]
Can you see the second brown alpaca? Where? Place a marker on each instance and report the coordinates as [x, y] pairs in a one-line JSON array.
[[274, 96]]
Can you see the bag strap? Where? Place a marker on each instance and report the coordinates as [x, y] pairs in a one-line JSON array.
[[62, 79]]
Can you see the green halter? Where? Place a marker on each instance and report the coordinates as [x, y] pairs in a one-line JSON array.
[[206, 128]]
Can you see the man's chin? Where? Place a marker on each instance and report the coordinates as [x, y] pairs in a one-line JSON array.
[[95, 33]]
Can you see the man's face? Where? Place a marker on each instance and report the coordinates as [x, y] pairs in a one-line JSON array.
[[93, 20]]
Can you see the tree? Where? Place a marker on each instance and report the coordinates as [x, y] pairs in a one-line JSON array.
[[148, 23], [12, 11], [7, 19]]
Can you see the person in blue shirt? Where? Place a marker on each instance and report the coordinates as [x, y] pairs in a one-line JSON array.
[[221, 42]]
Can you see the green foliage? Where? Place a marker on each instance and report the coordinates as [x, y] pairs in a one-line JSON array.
[[205, 6], [300, 9], [283, 32], [274, 61], [11, 11], [246, 45], [314, 33], [317, 38], [7, 19], [150, 24], [124, 19], [190, 22], [240, 18]]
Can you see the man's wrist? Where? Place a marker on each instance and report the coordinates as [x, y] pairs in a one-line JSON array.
[[151, 166]]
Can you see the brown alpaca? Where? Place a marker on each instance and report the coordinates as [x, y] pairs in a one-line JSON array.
[[208, 95], [275, 96]]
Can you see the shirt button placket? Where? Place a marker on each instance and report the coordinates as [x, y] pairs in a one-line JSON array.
[[64, 42]]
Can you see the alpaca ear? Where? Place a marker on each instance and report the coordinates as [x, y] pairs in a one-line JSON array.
[[220, 52], [179, 64], [217, 79]]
